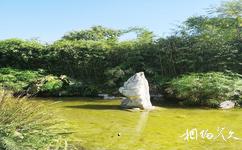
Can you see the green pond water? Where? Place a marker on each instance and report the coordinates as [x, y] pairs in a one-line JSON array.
[[102, 125]]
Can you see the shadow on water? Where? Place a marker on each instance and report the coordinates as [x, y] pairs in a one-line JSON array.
[[96, 107], [173, 105], [117, 107]]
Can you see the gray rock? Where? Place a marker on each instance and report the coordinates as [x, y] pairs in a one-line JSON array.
[[106, 96], [136, 90], [227, 105]]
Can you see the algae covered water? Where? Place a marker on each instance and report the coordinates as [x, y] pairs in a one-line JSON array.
[[102, 125]]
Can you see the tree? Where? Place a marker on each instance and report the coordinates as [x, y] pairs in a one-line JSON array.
[[143, 35], [232, 9], [96, 33]]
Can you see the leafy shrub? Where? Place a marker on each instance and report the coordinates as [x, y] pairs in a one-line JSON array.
[[205, 89], [60, 86], [37, 83], [15, 79], [26, 125], [21, 53], [114, 75], [51, 83]]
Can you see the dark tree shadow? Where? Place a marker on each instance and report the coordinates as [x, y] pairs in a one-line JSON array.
[[96, 107], [174, 105]]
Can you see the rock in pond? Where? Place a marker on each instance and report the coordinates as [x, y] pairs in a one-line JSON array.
[[227, 105], [136, 90], [106, 96]]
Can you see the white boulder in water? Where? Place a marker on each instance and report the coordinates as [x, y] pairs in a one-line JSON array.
[[227, 105], [136, 89]]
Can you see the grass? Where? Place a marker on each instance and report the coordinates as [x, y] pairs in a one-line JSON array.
[[26, 125]]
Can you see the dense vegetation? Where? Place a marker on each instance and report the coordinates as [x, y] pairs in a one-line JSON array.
[[16, 80], [98, 59], [26, 125], [206, 89], [39, 83]]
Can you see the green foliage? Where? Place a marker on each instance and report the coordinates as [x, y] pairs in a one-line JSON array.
[[37, 83], [26, 125], [60, 86], [232, 8], [114, 75], [206, 89], [96, 56], [79, 59], [96, 33], [16, 80], [51, 83], [21, 53]]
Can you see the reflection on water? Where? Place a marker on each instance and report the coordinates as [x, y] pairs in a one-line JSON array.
[[142, 122], [140, 126]]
